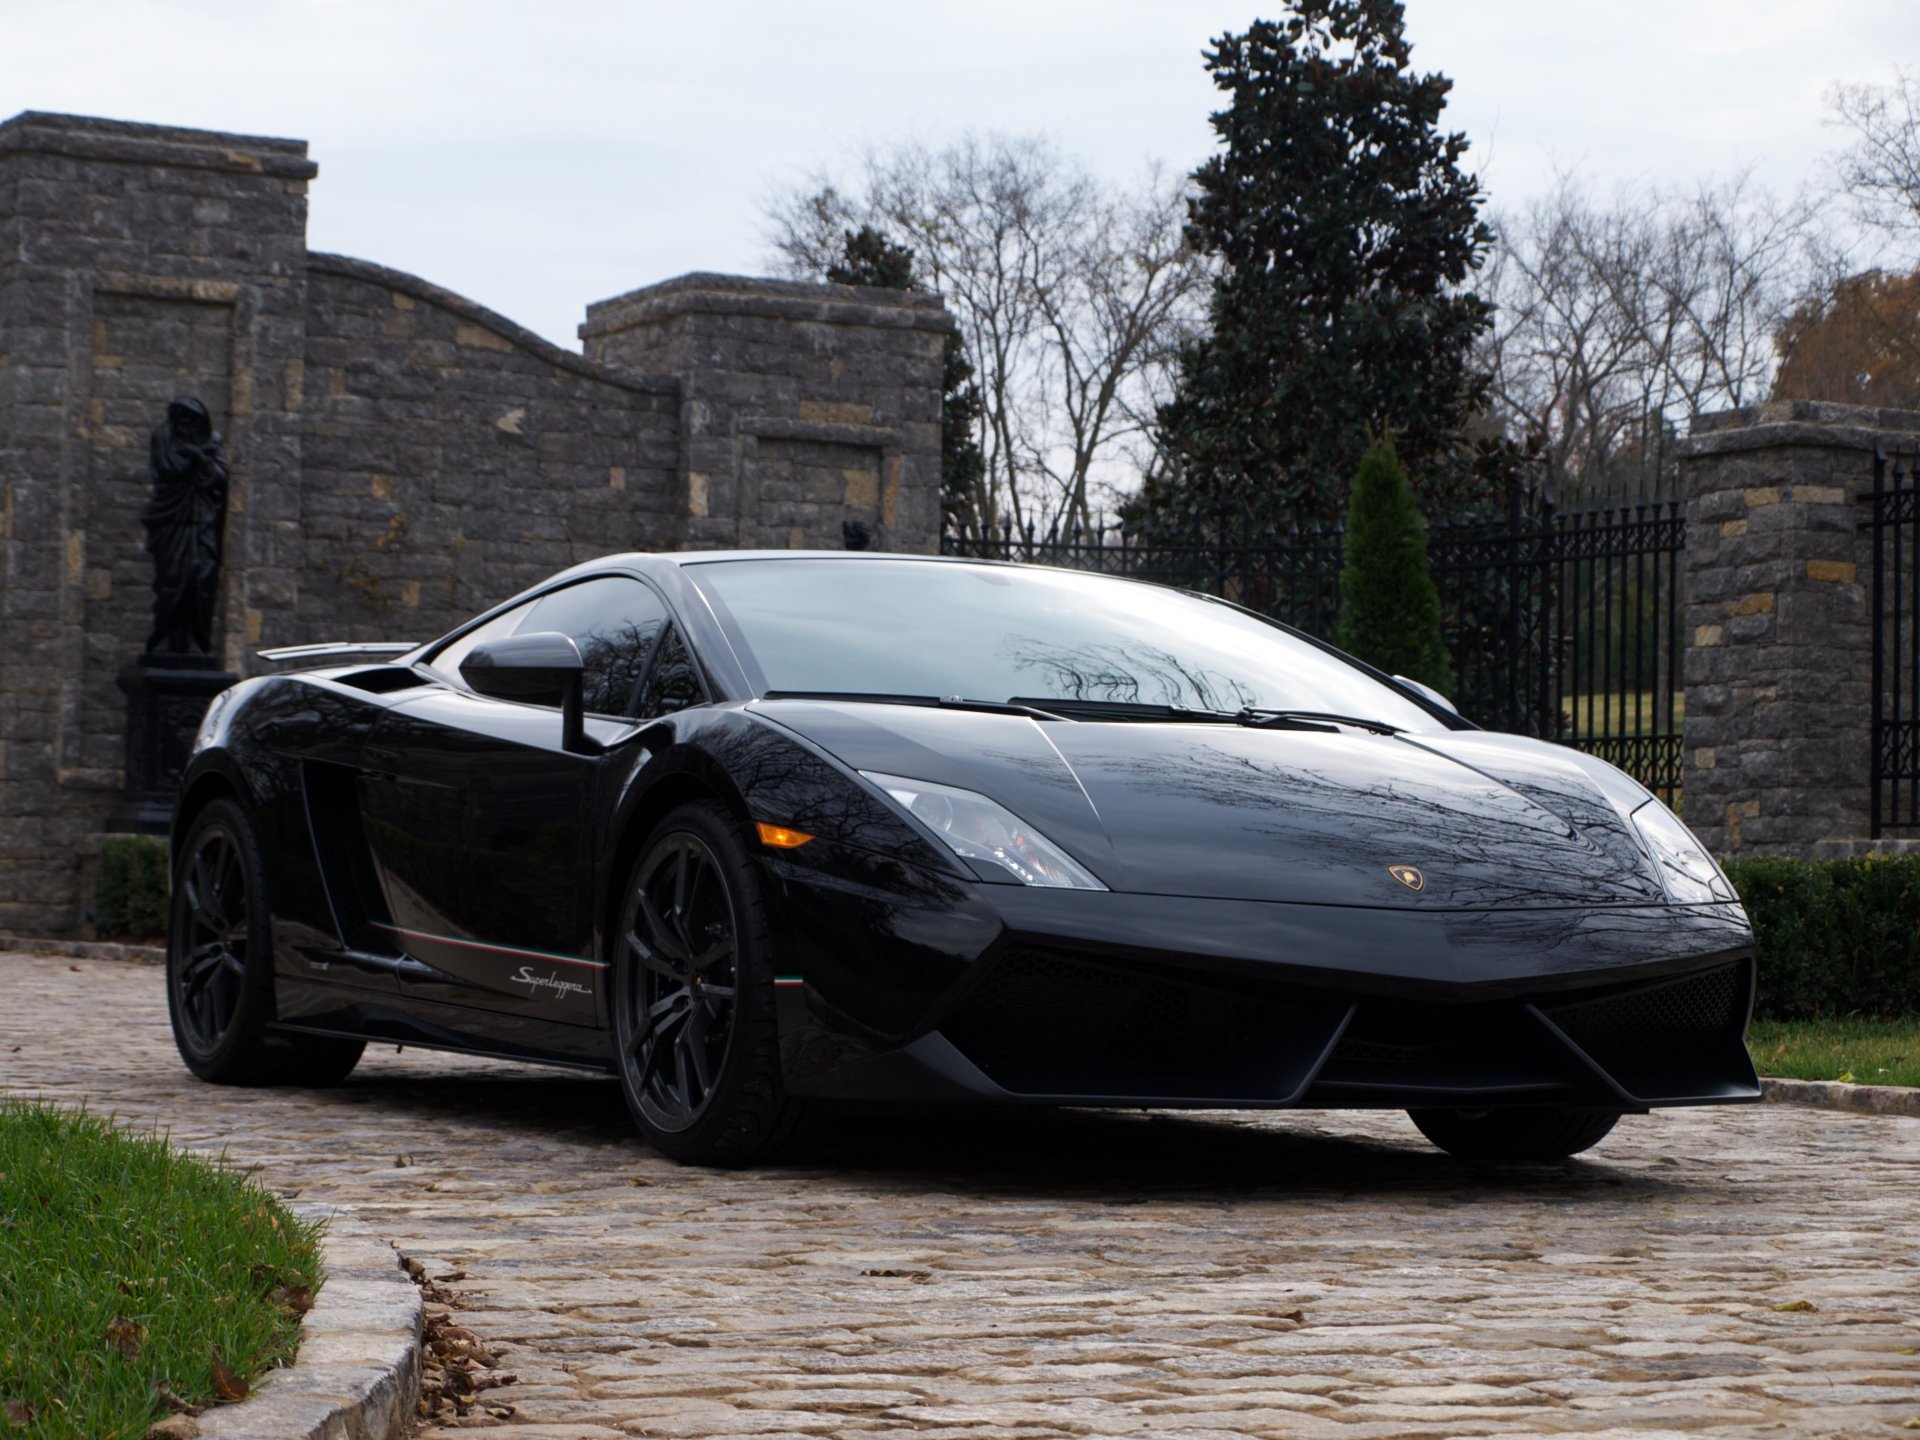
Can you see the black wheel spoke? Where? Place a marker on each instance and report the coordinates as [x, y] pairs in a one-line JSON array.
[[650, 958], [717, 951], [662, 1006], [685, 1095], [680, 888], [695, 1042], [664, 942]]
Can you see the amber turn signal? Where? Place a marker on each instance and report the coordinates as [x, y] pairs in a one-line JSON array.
[[781, 838]]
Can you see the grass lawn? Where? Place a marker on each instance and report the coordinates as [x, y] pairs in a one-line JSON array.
[[131, 1274], [1634, 713], [1863, 1052]]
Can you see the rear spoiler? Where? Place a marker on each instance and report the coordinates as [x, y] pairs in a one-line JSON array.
[[337, 652]]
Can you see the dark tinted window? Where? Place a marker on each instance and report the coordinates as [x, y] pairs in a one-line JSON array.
[[453, 654], [675, 681], [615, 622]]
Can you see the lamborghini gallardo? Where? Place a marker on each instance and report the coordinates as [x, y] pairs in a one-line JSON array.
[[756, 833]]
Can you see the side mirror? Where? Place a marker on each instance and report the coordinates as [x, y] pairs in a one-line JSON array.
[[1428, 693], [539, 669]]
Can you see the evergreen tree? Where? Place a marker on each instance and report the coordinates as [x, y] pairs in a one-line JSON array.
[[1389, 610], [870, 258], [1343, 227]]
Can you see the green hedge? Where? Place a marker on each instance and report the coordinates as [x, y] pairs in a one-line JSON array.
[[130, 889], [1834, 937]]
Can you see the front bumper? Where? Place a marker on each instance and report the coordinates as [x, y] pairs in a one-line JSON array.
[[1010, 994]]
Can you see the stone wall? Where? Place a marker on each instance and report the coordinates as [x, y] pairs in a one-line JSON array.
[[1779, 663], [805, 405], [401, 456]]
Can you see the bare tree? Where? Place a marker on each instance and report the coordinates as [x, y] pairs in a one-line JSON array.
[[1071, 299], [1882, 169], [1619, 321]]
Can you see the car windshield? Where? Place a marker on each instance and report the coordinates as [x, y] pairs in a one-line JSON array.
[[993, 633]]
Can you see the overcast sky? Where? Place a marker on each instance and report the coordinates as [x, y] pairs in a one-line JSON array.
[[538, 156]]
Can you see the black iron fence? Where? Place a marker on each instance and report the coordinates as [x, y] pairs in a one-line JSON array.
[[1562, 622], [1895, 735]]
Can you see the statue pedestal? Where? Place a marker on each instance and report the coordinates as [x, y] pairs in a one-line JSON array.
[[167, 698]]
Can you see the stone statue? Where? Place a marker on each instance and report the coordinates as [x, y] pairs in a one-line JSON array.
[[186, 520]]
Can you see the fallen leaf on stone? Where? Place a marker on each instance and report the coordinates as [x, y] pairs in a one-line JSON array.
[[228, 1383], [1795, 1306], [74, 968], [501, 1412], [898, 1274], [638, 1180], [1912, 1422], [401, 1162], [19, 1413], [297, 1299], [125, 1337], [1299, 1317], [174, 1427], [451, 1276]]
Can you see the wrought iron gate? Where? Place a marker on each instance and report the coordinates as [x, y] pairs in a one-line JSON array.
[[1561, 622], [1895, 736]]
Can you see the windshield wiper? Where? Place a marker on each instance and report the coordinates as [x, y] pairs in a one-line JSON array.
[[1310, 720], [940, 702], [1124, 710], [1252, 716]]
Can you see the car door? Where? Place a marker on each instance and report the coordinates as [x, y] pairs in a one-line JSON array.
[[478, 818]]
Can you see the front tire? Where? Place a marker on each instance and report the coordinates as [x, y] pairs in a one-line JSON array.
[[220, 965], [694, 1027], [1550, 1132]]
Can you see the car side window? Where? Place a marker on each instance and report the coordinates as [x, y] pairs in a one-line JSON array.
[[616, 622], [447, 661], [675, 681]]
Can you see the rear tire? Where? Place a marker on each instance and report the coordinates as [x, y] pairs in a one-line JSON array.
[[695, 1034], [1546, 1133], [220, 965]]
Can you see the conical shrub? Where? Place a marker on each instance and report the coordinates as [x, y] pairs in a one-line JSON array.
[[1389, 610]]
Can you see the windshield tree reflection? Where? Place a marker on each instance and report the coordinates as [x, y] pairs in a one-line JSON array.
[[986, 632]]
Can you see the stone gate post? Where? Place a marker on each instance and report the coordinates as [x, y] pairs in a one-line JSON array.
[[803, 405], [1777, 625]]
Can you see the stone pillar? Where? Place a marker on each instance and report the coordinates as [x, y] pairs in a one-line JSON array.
[[137, 263], [1778, 625], [804, 406]]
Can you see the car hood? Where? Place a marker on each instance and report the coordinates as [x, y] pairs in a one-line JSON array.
[[1231, 812]]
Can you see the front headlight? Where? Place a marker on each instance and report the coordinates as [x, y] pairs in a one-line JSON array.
[[1687, 871], [975, 828]]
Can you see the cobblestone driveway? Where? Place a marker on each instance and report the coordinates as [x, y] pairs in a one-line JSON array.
[[1090, 1273]]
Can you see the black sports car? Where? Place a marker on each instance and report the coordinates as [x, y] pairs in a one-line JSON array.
[[752, 831]]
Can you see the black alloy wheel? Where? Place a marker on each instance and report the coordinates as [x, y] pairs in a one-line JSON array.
[[220, 965], [693, 996], [210, 978]]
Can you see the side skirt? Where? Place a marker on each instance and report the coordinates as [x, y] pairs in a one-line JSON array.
[[434, 1025]]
